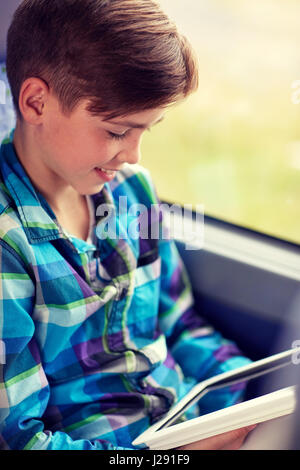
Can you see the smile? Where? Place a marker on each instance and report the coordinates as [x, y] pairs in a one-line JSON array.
[[108, 172], [105, 175]]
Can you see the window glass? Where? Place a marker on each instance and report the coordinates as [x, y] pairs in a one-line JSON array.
[[234, 146]]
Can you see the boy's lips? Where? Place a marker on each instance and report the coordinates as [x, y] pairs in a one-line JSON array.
[[108, 169], [106, 174]]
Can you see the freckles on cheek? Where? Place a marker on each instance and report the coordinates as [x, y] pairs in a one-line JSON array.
[[71, 147], [101, 152], [55, 136]]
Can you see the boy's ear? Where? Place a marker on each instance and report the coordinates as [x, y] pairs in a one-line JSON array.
[[33, 97]]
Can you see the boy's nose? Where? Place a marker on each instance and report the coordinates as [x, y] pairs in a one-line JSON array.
[[132, 153]]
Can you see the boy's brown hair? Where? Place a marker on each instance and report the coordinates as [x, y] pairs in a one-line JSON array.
[[122, 55]]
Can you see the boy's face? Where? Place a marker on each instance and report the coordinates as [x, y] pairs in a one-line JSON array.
[[75, 150]]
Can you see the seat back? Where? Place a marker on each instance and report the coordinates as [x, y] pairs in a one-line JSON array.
[[7, 9]]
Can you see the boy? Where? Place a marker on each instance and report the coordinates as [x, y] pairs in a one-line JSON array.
[[99, 328]]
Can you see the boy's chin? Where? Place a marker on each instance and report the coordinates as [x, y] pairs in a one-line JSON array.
[[90, 191]]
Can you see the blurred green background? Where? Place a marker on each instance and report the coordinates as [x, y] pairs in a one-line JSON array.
[[234, 146]]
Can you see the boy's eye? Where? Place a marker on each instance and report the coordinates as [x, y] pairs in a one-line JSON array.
[[117, 136]]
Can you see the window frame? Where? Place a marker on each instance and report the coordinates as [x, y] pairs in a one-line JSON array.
[[245, 283]]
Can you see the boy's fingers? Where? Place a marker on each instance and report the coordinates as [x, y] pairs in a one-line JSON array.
[[231, 440], [238, 438]]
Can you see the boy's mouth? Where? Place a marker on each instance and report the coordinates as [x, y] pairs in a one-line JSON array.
[[106, 175], [108, 172]]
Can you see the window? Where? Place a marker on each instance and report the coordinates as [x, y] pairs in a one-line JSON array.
[[234, 146]]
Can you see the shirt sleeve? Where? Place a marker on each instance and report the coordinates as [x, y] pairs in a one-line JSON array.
[[24, 388], [196, 346]]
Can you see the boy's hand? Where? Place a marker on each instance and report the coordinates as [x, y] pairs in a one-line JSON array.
[[231, 440]]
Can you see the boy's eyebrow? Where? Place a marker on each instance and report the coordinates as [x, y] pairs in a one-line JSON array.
[[134, 125]]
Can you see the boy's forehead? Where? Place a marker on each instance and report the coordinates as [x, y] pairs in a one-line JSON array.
[[140, 120], [135, 124]]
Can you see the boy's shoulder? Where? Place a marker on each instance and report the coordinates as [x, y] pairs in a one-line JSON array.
[[13, 238], [8, 213], [6, 203], [13, 233]]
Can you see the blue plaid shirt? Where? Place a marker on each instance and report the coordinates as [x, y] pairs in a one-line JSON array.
[[100, 336]]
